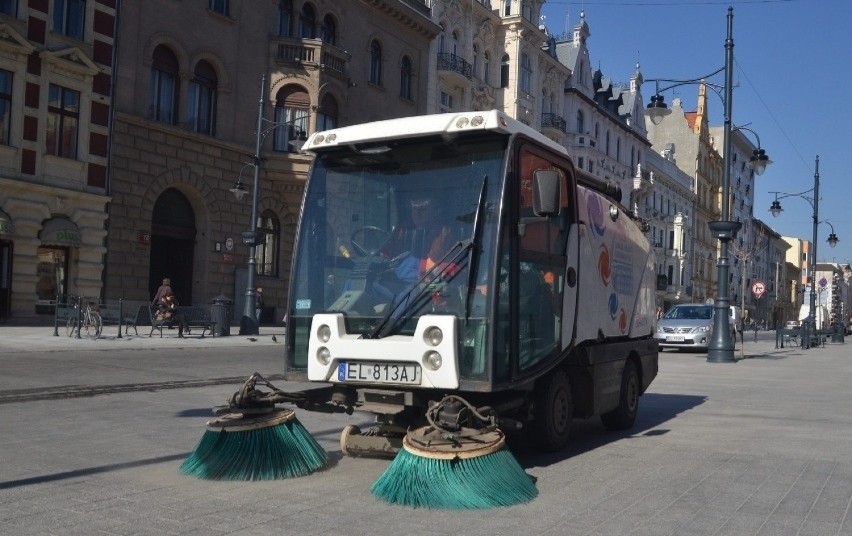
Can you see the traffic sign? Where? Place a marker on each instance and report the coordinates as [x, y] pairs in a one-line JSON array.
[[758, 288]]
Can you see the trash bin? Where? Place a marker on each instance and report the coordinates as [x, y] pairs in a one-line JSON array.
[[220, 314]]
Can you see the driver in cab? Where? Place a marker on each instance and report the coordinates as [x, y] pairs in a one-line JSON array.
[[426, 239]]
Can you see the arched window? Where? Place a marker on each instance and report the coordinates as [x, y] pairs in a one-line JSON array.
[[607, 142], [266, 253], [328, 30], [328, 113], [162, 103], [201, 99], [285, 18], [455, 43], [376, 63], [581, 122], [504, 71], [476, 60], [307, 22], [291, 107], [405, 76], [442, 39], [486, 67], [507, 8], [618, 149]]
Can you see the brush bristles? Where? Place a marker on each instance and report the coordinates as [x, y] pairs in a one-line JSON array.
[[495, 479], [285, 450]]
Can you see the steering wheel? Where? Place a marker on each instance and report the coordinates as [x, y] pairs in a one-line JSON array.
[[369, 235]]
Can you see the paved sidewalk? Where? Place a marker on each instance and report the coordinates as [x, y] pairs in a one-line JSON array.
[[759, 447], [41, 339]]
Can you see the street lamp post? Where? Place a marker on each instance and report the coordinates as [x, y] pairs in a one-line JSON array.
[[776, 209], [249, 323], [720, 346]]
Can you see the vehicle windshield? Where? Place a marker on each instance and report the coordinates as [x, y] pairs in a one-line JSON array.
[[377, 219], [690, 312]]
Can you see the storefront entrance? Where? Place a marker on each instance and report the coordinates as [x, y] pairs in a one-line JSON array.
[[172, 245]]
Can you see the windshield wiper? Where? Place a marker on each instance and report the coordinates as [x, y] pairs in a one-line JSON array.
[[411, 299]]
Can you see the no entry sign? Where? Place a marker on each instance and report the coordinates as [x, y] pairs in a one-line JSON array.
[[758, 288]]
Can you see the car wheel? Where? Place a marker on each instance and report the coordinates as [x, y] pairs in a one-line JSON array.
[[552, 412], [624, 415]]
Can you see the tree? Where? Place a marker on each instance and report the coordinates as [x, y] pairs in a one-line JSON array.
[[744, 253]]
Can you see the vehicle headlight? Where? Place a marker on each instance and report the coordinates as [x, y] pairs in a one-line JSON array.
[[432, 360], [701, 329], [324, 333], [323, 355], [433, 336]]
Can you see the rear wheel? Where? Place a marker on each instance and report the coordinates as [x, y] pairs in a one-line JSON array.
[[94, 325], [623, 416], [552, 412]]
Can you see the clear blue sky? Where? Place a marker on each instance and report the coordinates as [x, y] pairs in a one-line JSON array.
[[793, 86]]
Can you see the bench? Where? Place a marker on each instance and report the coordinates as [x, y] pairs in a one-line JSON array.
[[197, 316], [789, 336]]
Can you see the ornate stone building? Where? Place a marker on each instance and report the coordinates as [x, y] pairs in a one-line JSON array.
[[188, 91], [55, 103]]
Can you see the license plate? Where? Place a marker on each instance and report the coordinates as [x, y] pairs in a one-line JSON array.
[[371, 371], [676, 338]]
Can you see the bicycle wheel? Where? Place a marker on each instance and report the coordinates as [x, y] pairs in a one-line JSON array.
[[93, 324], [70, 326]]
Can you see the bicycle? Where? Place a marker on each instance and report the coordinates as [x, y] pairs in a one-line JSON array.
[[90, 321]]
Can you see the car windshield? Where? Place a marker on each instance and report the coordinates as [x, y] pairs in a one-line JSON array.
[[690, 312]]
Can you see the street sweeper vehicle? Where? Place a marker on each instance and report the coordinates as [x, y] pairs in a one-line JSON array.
[[456, 272]]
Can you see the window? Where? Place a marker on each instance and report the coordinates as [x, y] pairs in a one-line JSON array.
[[162, 105], [63, 115], [285, 18], [8, 7], [5, 107], [69, 17], [329, 111], [526, 10], [507, 9], [291, 108], [307, 22], [376, 63], [446, 102], [219, 6], [504, 71], [201, 99], [581, 123], [405, 78], [266, 253], [526, 73], [328, 30]]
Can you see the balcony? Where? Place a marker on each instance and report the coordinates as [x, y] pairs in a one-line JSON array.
[[552, 125], [310, 54], [458, 68]]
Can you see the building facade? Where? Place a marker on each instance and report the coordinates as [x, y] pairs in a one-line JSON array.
[[687, 133], [188, 119], [56, 85]]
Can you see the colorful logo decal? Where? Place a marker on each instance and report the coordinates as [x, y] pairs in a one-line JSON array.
[[605, 265], [596, 215], [622, 321], [613, 305]]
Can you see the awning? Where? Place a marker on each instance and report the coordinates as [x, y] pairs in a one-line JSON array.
[[59, 231], [6, 226]]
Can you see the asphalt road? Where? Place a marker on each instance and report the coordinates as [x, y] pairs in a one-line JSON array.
[[761, 446]]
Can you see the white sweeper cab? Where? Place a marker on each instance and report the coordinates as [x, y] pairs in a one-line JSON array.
[[462, 255]]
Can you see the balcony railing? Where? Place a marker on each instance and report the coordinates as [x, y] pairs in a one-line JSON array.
[[551, 120], [311, 52], [450, 62]]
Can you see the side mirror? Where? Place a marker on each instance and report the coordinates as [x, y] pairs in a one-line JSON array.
[[546, 192]]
